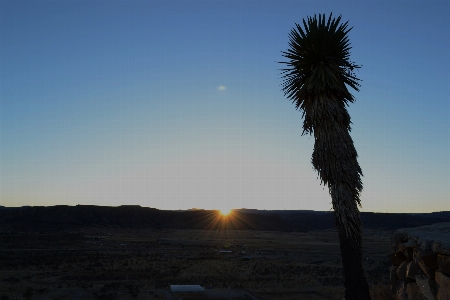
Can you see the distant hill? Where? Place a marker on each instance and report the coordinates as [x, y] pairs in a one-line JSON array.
[[308, 221], [63, 218]]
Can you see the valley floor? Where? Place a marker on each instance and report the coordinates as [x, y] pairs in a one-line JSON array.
[[113, 263]]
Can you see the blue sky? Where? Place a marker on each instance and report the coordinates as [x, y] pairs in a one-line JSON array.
[[178, 104]]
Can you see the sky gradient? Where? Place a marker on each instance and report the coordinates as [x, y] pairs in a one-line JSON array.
[[178, 104]]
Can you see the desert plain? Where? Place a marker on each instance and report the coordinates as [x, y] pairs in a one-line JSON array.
[[126, 263]]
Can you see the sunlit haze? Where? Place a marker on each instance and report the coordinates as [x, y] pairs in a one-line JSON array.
[[178, 104]]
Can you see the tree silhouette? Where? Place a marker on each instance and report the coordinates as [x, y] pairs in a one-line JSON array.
[[316, 79]]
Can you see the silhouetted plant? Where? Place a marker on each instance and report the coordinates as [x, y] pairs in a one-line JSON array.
[[316, 79]]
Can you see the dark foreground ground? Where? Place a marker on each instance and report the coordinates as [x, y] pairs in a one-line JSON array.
[[108, 263]]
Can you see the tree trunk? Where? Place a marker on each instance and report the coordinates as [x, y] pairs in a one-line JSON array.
[[356, 287]]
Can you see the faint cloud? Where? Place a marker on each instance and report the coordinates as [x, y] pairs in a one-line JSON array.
[[221, 88]]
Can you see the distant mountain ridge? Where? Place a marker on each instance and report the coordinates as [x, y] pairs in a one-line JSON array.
[[63, 217]]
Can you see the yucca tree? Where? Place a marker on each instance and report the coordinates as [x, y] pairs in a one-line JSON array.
[[316, 79]]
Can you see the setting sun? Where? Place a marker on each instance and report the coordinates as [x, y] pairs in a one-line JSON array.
[[225, 212]]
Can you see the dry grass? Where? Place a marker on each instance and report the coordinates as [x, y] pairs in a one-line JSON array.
[[275, 263]]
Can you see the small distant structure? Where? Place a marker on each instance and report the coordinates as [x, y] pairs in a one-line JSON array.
[[186, 288], [225, 251]]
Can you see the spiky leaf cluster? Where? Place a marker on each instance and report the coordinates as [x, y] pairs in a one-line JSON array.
[[319, 66]]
